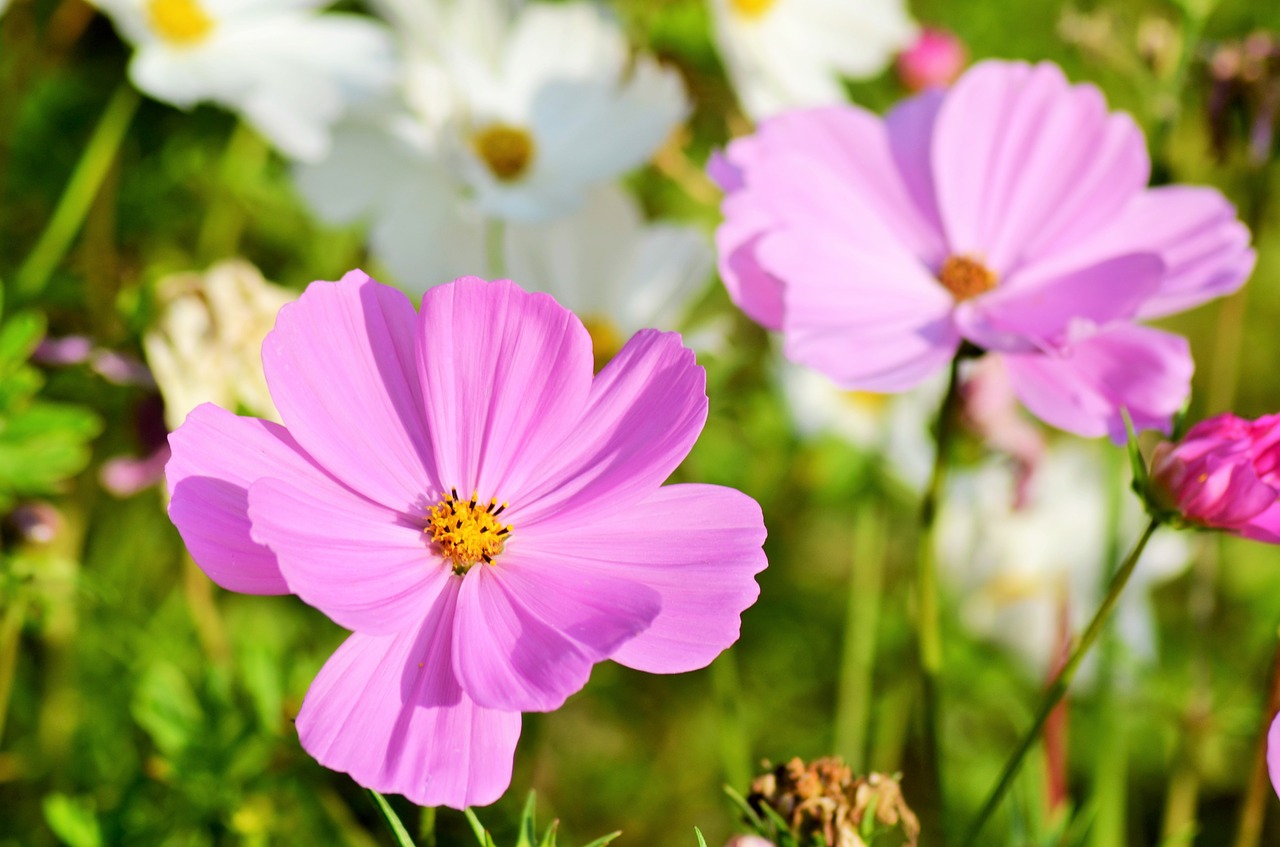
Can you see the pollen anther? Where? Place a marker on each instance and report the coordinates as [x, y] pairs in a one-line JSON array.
[[467, 531], [965, 277]]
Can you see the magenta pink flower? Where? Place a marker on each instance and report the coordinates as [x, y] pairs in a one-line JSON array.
[[489, 519], [934, 59], [1273, 753], [1224, 474], [1010, 212]]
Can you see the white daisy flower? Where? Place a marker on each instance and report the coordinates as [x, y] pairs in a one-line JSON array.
[[290, 71], [512, 115], [1023, 573], [786, 54]]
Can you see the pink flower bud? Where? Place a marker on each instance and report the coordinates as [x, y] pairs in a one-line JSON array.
[[1224, 474], [935, 59]]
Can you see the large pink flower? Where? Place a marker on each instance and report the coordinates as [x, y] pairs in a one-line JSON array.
[[1224, 474], [489, 519], [1010, 212]]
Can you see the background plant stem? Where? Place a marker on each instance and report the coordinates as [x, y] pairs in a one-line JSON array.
[[1058, 688], [853, 703]]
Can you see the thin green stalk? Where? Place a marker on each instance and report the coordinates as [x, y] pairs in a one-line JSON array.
[[427, 826], [494, 236], [735, 751], [245, 155], [853, 703], [929, 634], [392, 819], [83, 186], [1058, 688], [10, 635], [1253, 811]]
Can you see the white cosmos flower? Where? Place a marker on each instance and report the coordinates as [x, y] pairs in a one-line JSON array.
[[1022, 573], [289, 70], [895, 426], [785, 54], [512, 114]]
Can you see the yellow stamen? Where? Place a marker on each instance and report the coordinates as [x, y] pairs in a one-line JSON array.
[[180, 21], [467, 531], [966, 277], [606, 339], [507, 150], [751, 8]]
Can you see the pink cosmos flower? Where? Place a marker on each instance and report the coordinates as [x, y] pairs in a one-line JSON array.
[[455, 487], [1273, 753], [1010, 212], [1224, 474]]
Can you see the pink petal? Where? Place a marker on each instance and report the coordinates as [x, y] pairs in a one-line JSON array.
[[367, 567], [1032, 313], [698, 546], [340, 367], [216, 457], [388, 710], [646, 409], [1195, 231], [1083, 390], [750, 286], [1024, 161], [505, 375], [508, 658], [1264, 527]]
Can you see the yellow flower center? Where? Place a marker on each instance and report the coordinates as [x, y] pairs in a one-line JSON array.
[[866, 401], [467, 531], [606, 339], [507, 150], [966, 277], [180, 21], [751, 8]]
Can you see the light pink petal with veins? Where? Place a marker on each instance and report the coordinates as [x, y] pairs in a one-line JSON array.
[[369, 568], [216, 457], [505, 375], [389, 711], [339, 364]]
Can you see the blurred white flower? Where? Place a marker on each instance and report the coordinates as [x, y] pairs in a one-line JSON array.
[[1022, 573], [510, 115], [289, 70], [895, 426], [617, 272], [786, 54], [205, 347]]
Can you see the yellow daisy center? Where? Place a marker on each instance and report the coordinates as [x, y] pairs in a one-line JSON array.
[[966, 277], [751, 8], [179, 21], [606, 339], [506, 150], [467, 531]]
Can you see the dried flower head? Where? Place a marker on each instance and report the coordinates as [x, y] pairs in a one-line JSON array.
[[824, 800]]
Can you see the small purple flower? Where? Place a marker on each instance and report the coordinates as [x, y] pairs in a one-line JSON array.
[[455, 487], [1224, 474], [1010, 213]]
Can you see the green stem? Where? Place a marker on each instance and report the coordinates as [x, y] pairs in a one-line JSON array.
[[245, 156], [427, 826], [10, 635], [494, 233], [1058, 688], [392, 819], [853, 703], [1253, 811], [929, 619], [83, 186]]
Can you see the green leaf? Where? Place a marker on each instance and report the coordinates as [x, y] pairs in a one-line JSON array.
[[702, 842], [482, 836], [72, 821], [43, 445], [549, 837], [19, 337], [604, 839], [745, 808], [528, 831], [1136, 463], [165, 706], [392, 819]]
